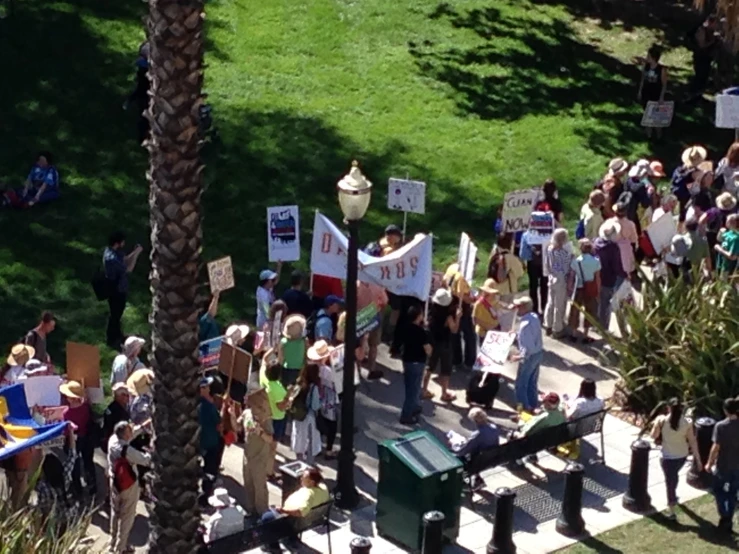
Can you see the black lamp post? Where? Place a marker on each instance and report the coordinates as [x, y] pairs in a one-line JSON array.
[[354, 198]]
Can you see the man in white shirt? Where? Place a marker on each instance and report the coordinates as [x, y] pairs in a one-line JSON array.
[[124, 486], [266, 294], [530, 354]]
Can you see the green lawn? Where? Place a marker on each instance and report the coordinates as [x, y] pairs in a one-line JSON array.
[[693, 533], [474, 97]]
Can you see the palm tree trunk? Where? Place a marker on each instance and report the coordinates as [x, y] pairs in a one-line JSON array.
[[175, 29]]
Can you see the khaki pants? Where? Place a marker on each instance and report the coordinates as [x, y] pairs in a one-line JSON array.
[[554, 314], [255, 485], [122, 515]]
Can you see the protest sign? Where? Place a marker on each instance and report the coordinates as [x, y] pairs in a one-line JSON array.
[[234, 362], [497, 345], [406, 196], [368, 319], [43, 390], [283, 233], [209, 352], [221, 275], [466, 257], [658, 114], [405, 272], [517, 208], [506, 319], [275, 330], [727, 109], [660, 233], [337, 368], [83, 364], [542, 222]]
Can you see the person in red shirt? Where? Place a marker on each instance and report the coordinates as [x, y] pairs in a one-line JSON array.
[[79, 414]]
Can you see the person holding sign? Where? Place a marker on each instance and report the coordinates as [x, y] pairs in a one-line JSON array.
[[530, 354], [505, 268], [485, 312], [265, 294], [653, 82], [291, 348], [444, 322], [117, 266]]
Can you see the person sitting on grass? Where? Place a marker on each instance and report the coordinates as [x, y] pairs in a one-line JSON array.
[[311, 494], [42, 185]]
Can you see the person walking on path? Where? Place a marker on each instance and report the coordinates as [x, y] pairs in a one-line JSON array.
[[586, 273], [258, 459], [557, 260], [117, 266], [675, 433], [724, 457], [612, 270], [591, 214], [530, 354], [124, 486], [416, 350]]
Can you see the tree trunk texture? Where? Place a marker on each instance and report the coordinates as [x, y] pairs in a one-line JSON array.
[[175, 31]]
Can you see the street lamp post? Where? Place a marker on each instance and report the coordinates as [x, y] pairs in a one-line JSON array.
[[354, 197]]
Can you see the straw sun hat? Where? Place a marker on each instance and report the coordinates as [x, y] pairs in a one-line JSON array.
[[139, 382], [694, 155], [489, 287], [294, 320], [319, 351], [20, 354], [72, 389]]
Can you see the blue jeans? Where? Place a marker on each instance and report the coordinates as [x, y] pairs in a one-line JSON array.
[[671, 468], [725, 487], [412, 378], [527, 379]]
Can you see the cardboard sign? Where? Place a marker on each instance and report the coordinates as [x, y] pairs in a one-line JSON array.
[[658, 114], [275, 330], [209, 352], [221, 275], [283, 233], [466, 257], [517, 208], [83, 364], [241, 360], [727, 110], [497, 346], [660, 232], [406, 196]]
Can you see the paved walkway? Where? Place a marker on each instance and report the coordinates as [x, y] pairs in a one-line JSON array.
[[539, 487]]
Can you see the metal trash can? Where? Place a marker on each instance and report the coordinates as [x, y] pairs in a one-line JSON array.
[[291, 474]]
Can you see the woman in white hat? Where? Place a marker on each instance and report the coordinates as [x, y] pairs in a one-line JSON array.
[[444, 319], [128, 361], [329, 390], [291, 348], [305, 440], [15, 368], [86, 435], [714, 220], [691, 158]]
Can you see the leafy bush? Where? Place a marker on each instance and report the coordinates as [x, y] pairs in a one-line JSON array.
[[682, 341]]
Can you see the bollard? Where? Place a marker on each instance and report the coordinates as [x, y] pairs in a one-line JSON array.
[[697, 477], [433, 533], [637, 498], [570, 522], [502, 540], [360, 545]]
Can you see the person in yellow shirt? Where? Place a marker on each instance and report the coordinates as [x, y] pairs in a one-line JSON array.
[[462, 294], [505, 268], [485, 311]]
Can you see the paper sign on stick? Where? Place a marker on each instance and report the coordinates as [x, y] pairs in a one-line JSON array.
[[283, 233], [497, 345], [406, 196], [660, 232], [241, 363], [517, 208], [209, 352], [43, 390], [337, 367], [83, 363], [466, 257], [221, 274], [727, 110]]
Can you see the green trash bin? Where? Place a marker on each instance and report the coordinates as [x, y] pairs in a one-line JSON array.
[[417, 474]]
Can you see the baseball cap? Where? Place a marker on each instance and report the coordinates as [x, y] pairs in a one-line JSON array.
[[333, 299], [267, 275], [393, 230]]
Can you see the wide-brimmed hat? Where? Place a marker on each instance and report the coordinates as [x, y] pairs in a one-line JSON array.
[[442, 297], [617, 165], [639, 171], [726, 201], [319, 351], [693, 156], [219, 498], [613, 226], [19, 352], [140, 381], [236, 332], [294, 320], [131, 343], [656, 169], [72, 389], [489, 287]]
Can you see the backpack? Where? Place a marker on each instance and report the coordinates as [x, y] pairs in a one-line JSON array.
[[123, 476], [497, 269], [310, 326], [580, 230], [299, 407], [101, 285]]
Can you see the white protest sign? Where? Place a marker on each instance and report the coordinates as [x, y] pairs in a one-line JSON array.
[[405, 272], [43, 390], [661, 232], [221, 274], [337, 367], [406, 196], [283, 233], [658, 114], [466, 257], [517, 208], [497, 346], [727, 111]]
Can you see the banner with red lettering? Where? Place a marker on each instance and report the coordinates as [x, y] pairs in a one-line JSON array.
[[406, 272]]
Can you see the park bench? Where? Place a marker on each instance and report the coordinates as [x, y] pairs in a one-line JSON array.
[[255, 535], [517, 449]]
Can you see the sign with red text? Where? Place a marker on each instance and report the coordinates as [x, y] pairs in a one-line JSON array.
[[497, 346], [405, 272]]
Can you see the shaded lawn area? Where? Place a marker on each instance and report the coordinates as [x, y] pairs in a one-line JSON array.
[[694, 532], [472, 96]]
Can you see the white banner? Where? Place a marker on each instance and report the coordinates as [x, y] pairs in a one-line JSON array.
[[466, 257], [517, 208], [283, 233], [406, 272]]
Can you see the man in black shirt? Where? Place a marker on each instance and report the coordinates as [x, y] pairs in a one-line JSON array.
[[298, 302], [724, 457], [116, 411], [416, 350]]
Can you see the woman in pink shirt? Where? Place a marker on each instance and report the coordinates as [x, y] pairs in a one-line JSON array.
[[627, 239], [79, 414]]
